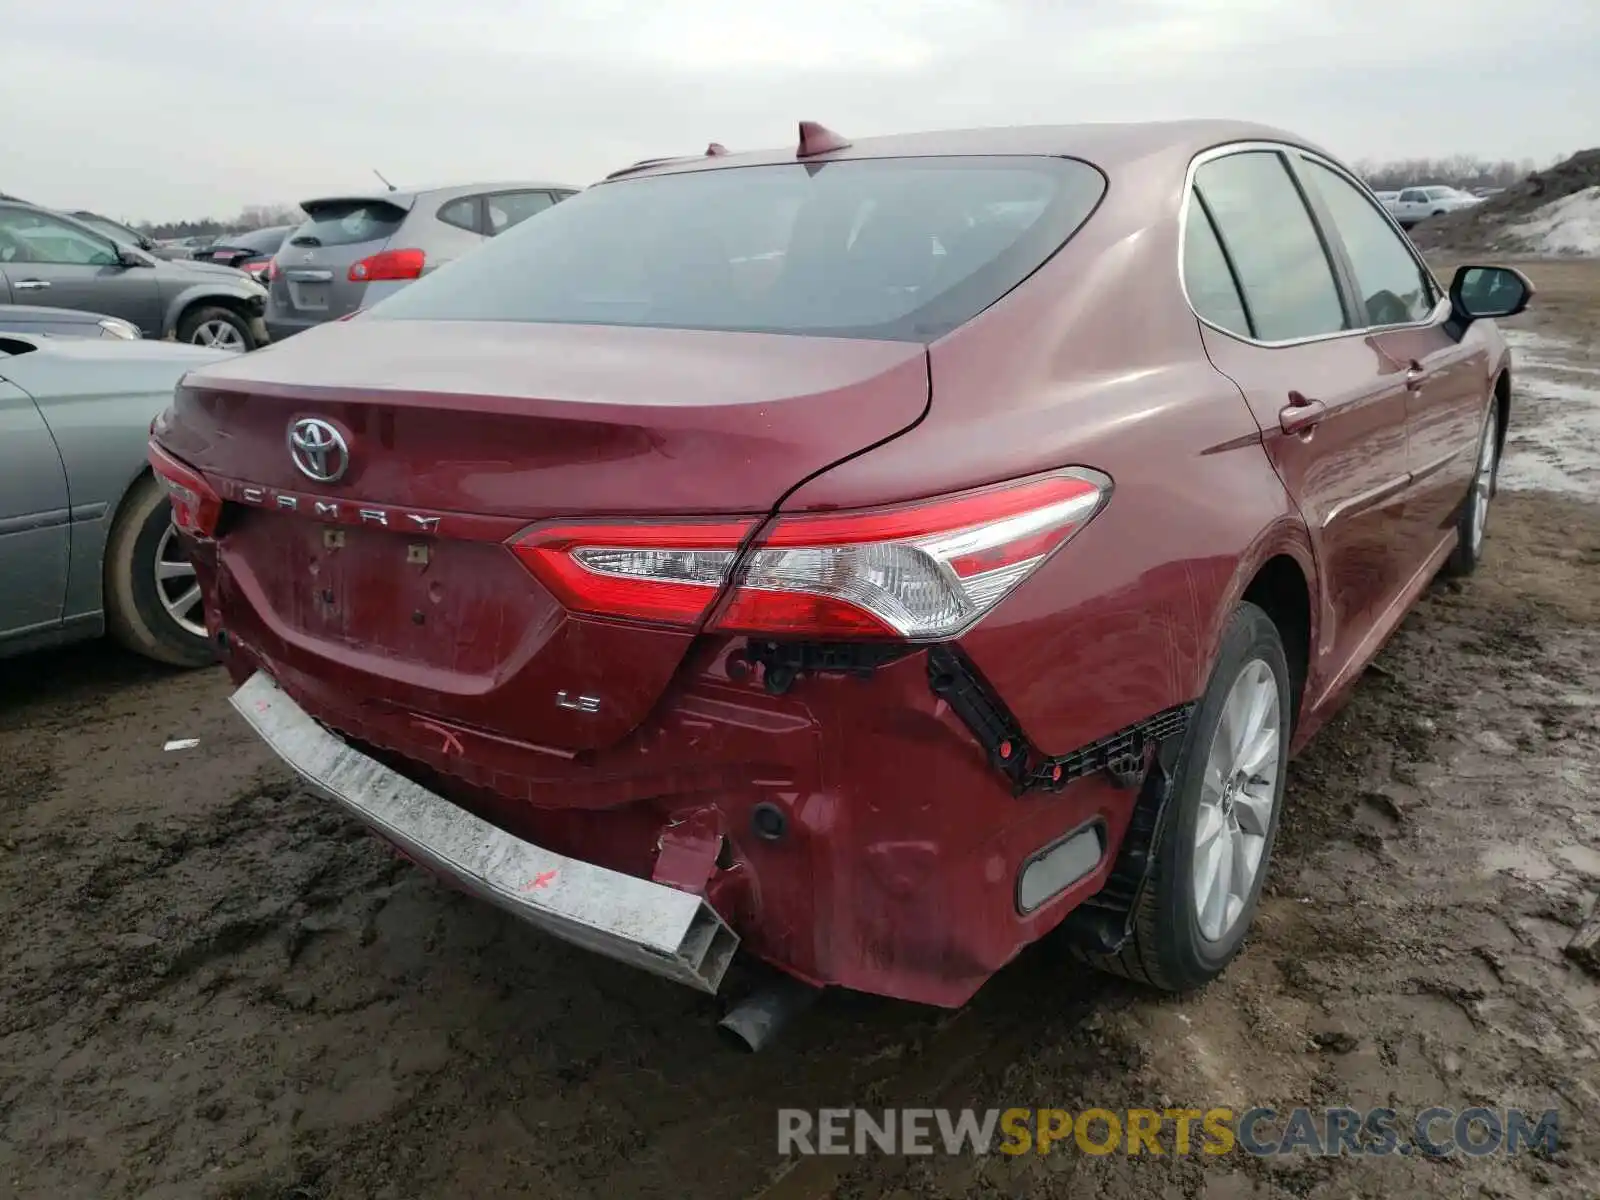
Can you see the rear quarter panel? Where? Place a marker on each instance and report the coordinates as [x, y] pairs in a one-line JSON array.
[[1097, 361]]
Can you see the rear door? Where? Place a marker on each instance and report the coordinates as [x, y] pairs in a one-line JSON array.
[[313, 280], [34, 516], [1446, 379], [1332, 413], [62, 264]]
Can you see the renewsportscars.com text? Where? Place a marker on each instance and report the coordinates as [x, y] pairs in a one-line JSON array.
[[1433, 1132]]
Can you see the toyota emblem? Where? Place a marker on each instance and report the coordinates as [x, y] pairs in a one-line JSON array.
[[318, 450]]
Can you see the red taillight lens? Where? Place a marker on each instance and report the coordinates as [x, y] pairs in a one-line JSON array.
[[667, 574], [920, 572], [388, 264], [270, 271], [195, 507]]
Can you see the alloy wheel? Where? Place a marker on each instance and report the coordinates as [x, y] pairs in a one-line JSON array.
[[1237, 795], [218, 334], [1483, 484], [177, 585]]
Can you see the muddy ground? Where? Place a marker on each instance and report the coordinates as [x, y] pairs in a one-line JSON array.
[[211, 986]]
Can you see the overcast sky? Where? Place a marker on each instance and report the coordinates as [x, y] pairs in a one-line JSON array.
[[188, 108]]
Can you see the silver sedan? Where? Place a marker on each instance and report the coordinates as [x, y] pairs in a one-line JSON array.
[[86, 543]]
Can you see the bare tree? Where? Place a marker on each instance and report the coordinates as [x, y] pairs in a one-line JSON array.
[[1456, 170], [252, 216]]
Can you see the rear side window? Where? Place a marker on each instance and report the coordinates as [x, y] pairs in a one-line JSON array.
[[347, 222], [885, 248], [1207, 277], [505, 209], [1394, 288], [1283, 270], [462, 213]]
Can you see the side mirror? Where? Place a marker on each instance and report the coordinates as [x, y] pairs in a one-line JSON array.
[[129, 256], [1477, 293]]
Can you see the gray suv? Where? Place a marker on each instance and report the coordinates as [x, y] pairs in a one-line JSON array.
[[355, 249], [52, 259]]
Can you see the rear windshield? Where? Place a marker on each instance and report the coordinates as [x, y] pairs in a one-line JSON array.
[[904, 249], [346, 222], [261, 241]]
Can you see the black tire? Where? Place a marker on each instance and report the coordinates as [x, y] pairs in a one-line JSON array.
[[1474, 517], [1166, 949], [135, 614], [203, 317]]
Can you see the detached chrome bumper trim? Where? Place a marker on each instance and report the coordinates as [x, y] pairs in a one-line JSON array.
[[659, 929]]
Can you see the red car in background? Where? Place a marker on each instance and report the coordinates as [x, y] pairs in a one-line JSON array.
[[870, 556]]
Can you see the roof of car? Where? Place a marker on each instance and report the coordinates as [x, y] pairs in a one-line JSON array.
[[1107, 145], [405, 197]]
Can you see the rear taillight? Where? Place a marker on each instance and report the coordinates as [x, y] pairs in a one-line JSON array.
[[667, 574], [388, 264], [195, 507], [270, 271], [918, 572]]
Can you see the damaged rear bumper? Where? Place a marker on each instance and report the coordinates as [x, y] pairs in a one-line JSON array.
[[659, 929]]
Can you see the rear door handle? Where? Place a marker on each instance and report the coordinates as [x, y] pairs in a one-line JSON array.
[[31, 285], [1302, 416], [1415, 375]]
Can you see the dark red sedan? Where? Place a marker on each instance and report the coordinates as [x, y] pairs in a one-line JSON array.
[[869, 556]]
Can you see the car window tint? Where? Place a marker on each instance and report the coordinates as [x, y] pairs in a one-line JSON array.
[[1206, 276], [1412, 196], [904, 248], [27, 235], [462, 213], [1281, 264], [1394, 289], [506, 209]]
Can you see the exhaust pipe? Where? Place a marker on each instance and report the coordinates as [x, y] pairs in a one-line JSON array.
[[752, 1023]]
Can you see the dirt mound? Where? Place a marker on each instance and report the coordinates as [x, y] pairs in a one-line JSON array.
[[1488, 226]]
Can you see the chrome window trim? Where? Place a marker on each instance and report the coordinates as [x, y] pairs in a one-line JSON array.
[[1436, 315]]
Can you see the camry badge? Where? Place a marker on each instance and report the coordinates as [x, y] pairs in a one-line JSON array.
[[318, 450]]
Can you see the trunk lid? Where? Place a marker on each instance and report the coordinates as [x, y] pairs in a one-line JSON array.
[[313, 278], [393, 582]]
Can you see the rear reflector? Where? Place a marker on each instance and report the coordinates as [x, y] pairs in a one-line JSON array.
[[388, 265], [918, 572], [195, 506]]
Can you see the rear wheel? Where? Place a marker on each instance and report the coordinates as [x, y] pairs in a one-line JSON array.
[[152, 595], [1474, 518], [1216, 837], [217, 327]]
